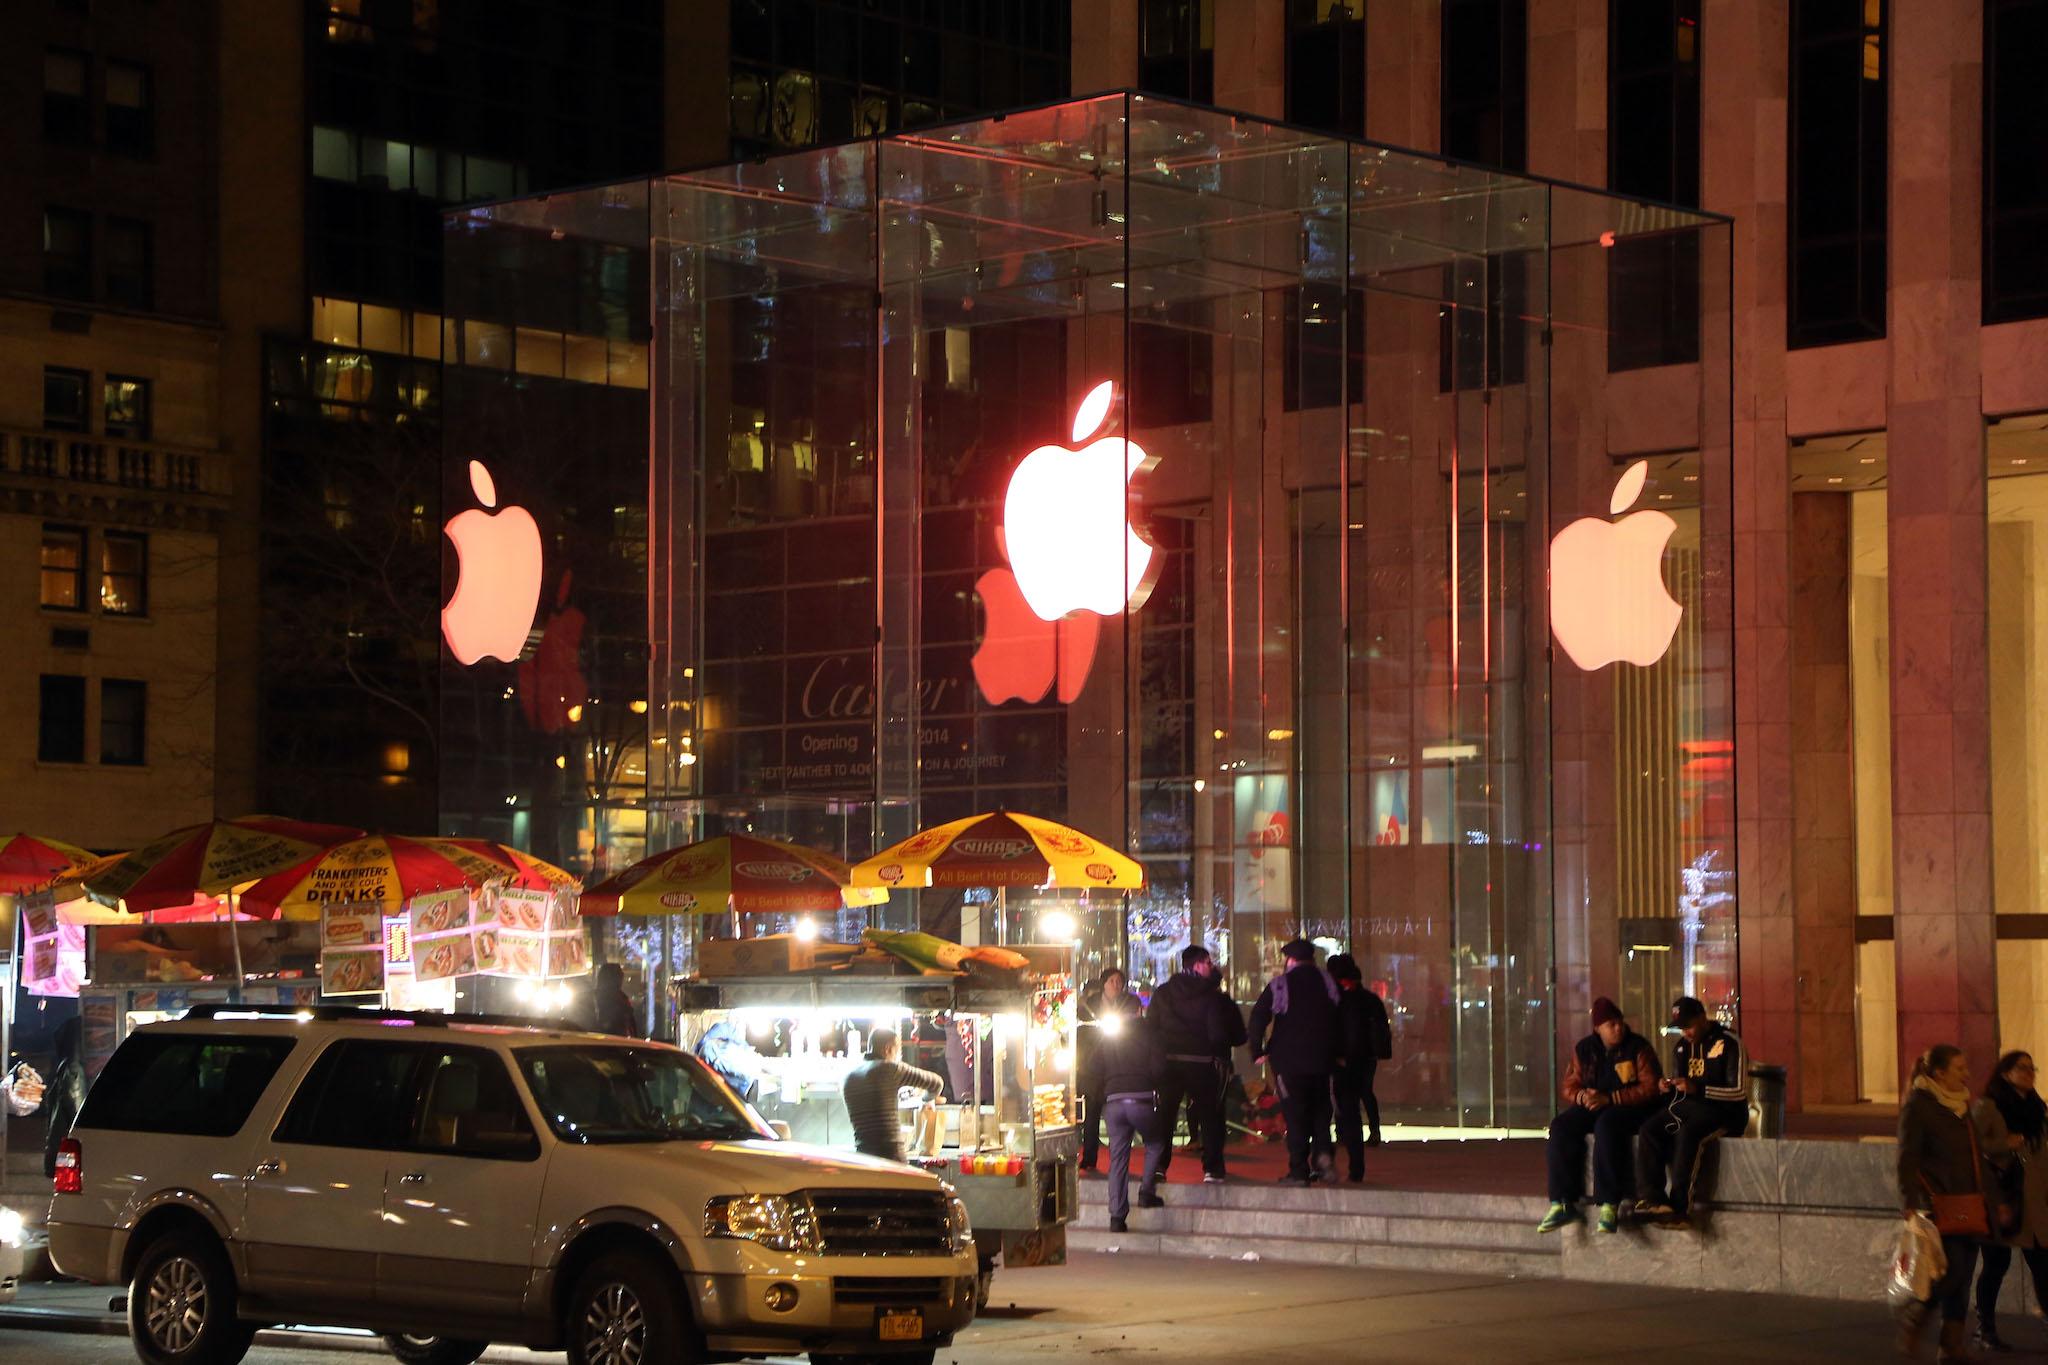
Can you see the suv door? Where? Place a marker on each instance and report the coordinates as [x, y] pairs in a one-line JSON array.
[[466, 1194], [314, 1219]]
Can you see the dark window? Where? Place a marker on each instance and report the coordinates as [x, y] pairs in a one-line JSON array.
[[63, 568], [469, 1108], [194, 1084], [2015, 176], [67, 253], [131, 267], [67, 117], [124, 708], [1172, 368], [124, 574], [358, 1094], [1838, 172], [1485, 82], [1653, 108], [131, 110], [125, 407], [1177, 48], [60, 727], [1323, 356], [64, 399], [1326, 65], [1482, 333]]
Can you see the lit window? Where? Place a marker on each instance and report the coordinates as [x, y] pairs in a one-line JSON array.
[[124, 574], [334, 154], [335, 322], [426, 336], [126, 407], [63, 568], [539, 352], [383, 329]]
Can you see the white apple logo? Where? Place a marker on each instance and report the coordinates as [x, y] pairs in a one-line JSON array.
[[1607, 596], [497, 577], [1064, 525]]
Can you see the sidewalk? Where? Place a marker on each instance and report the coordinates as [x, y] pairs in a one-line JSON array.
[[101, 1310]]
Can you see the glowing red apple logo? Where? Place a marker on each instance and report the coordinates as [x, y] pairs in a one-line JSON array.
[[497, 583], [1074, 558], [1608, 602]]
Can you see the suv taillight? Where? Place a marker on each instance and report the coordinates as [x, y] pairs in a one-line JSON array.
[[70, 1177]]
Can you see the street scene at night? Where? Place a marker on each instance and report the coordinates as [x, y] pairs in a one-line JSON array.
[[924, 681]]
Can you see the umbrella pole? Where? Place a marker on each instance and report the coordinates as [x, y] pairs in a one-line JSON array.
[[235, 938], [1002, 914]]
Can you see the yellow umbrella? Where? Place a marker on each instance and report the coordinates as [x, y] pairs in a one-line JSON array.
[[740, 872], [1001, 849]]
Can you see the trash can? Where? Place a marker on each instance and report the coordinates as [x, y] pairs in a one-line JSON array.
[[1767, 1101]]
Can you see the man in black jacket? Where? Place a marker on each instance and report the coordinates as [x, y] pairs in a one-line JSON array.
[[1299, 1007], [1709, 1089], [1198, 1025], [1363, 1038], [1128, 1061]]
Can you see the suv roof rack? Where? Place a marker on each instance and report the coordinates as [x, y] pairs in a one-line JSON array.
[[371, 1014]]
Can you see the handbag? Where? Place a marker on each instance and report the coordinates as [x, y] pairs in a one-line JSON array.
[[1962, 1215]]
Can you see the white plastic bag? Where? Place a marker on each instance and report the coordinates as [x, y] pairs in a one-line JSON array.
[[23, 1089], [1918, 1263]]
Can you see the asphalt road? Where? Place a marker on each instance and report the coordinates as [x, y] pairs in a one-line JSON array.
[[1121, 1308]]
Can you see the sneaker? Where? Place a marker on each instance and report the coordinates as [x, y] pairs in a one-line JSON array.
[[1297, 1181], [1610, 1219], [1676, 1222], [1119, 1225], [1374, 1141], [1651, 1209], [1150, 1201], [1355, 1178], [1986, 1340], [1214, 1178], [1559, 1216]]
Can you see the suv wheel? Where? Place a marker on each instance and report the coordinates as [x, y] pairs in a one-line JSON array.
[[181, 1304], [626, 1310], [433, 1350]]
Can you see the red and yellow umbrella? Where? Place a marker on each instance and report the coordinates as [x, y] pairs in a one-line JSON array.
[[385, 870], [1001, 849], [740, 872], [28, 862], [211, 860], [517, 867]]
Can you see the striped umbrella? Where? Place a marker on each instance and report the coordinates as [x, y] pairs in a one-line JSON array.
[[384, 870], [1001, 849], [740, 872], [210, 860], [28, 861], [517, 867]]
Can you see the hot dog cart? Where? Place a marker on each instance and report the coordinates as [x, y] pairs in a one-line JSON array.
[[1005, 1132]]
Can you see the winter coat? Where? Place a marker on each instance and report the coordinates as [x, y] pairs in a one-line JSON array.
[[1127, 1062], [1361, 1028], [1300, 1008], [1627, 1073], [1088, 1038], [1935, 1146], [1195, 1019], [2024, 1169]]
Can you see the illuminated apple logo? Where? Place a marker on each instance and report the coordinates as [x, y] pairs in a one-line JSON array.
[[497, 583], [1608, 602], [1074, 558]]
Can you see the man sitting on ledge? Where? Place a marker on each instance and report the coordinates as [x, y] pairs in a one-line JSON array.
[[1610, 1087], [1709, 1100]]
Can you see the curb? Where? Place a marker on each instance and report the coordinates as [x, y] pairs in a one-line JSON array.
[[16, 1318]]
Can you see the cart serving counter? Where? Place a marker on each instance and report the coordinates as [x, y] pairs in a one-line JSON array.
[[1005, 1133]]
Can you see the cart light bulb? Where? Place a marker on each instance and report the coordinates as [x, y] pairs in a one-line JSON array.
[[807, 930], [1058, 926]]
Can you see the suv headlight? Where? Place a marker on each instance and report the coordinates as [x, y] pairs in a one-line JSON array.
[[780, 1222], [959, 1233]]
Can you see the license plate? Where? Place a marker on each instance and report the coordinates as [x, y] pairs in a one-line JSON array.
[[900, 1324]]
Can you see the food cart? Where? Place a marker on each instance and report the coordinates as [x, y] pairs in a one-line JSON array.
[[1005, 1135]]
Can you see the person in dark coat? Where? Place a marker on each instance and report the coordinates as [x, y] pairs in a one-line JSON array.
[[610, 1007], [65, 1092], [1294, 1027], [1709, 1090], [1938, 1154], [1198, 1027], [1364, 1039], [1128, 1060], [1106, 1008], [1611, 1085], [2012, 1137]]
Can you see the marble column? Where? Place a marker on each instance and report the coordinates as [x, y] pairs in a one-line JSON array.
[[1403, 72], [1941, 787], [1251, 57], [1103, 46]]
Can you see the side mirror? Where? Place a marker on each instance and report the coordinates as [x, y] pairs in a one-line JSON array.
[[781, 1129]]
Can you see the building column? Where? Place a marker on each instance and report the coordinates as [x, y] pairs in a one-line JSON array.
[[1104, 43], [1251, 58], [1941, 786], [1404, 72]]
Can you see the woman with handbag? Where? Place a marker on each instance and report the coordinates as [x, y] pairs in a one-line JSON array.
[[2012, 1132], [1940, 1172]]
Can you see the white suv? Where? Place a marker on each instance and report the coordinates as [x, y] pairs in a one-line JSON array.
[[451, 1184]]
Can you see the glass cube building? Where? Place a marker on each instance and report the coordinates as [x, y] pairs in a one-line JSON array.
[[1344, 532]]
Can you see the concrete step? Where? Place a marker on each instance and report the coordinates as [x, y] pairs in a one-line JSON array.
[[1341, 1198], [1540, 1261], [1445, 1229]]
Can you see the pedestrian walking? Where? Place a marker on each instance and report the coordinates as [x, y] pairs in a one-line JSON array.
[[1129, 1061], [1107, 1007], [1611, 1086], [1364, 1041], [1294, 1027], [65, 1092], [2012, 1136], [1709, 1090], [1941, 1173], [611, 1008], [873, 1095], [1198, 1026]]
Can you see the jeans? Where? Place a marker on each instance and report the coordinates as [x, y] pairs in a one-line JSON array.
[[1613, 1131], [1672, 1140], [1998, 1260], [1351, 1090], [1952, 1290], [1132, 1116], [1091, 1129], [1305, 1105], [1200, 1084]]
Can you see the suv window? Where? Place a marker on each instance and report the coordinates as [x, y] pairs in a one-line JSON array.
[[200, 1085], [471, 1109], [359, 1094], [593, 1093]]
